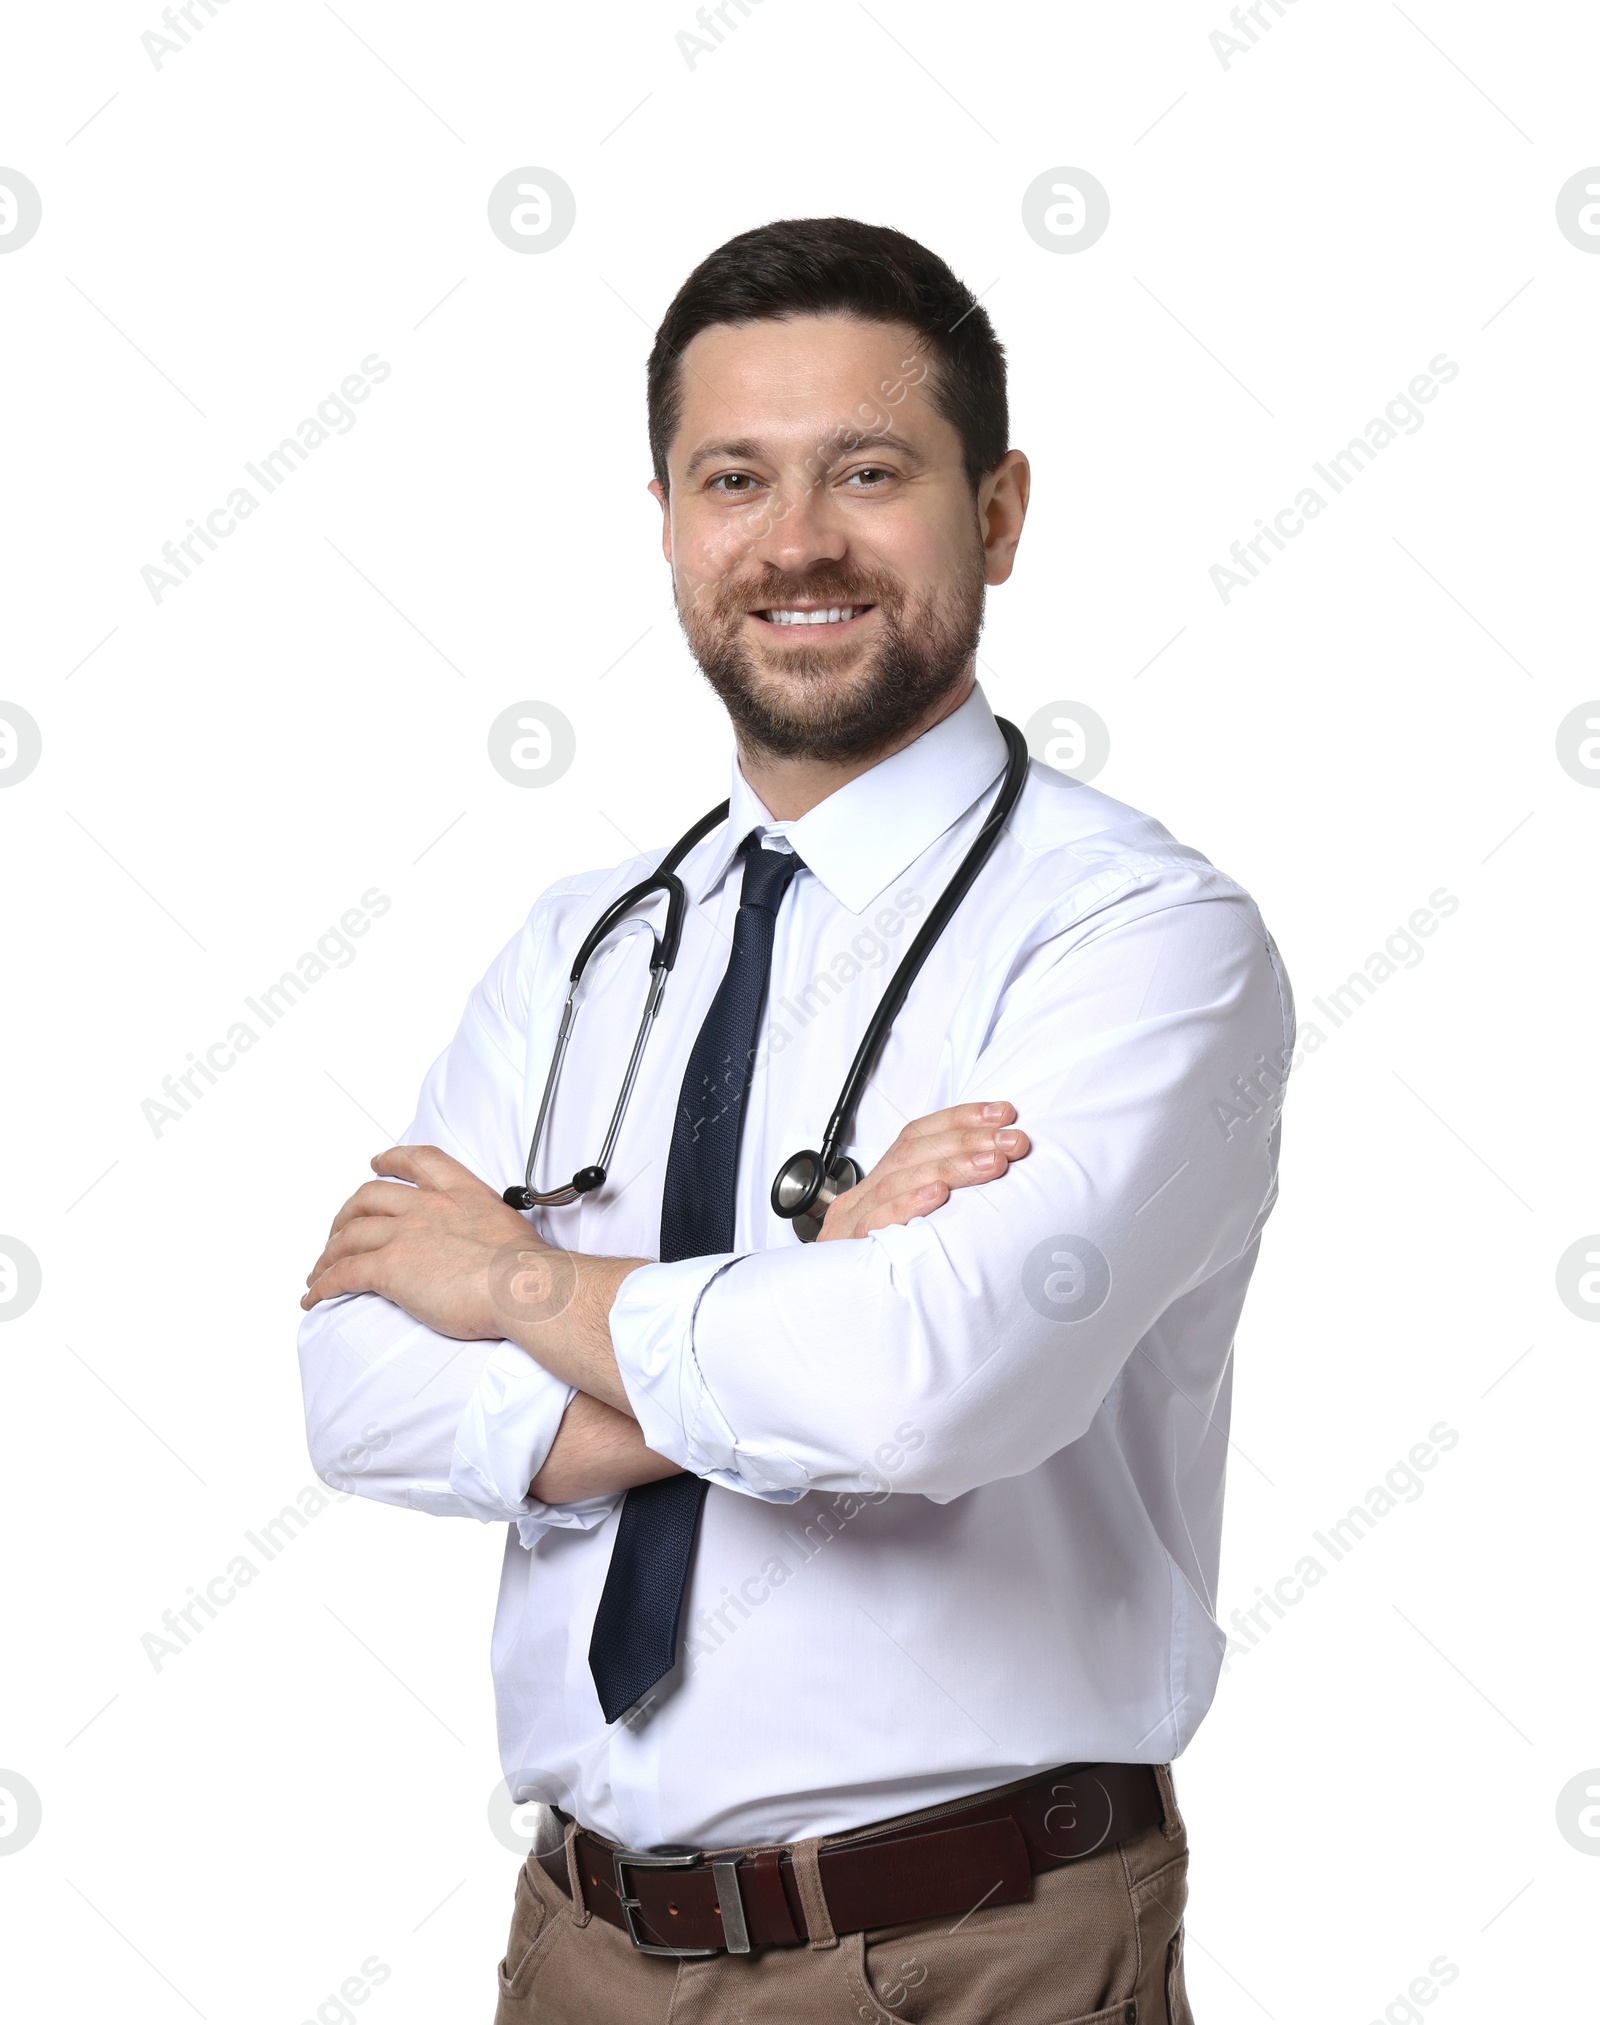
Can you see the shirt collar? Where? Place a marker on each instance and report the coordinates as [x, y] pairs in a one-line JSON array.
[[864, 835]]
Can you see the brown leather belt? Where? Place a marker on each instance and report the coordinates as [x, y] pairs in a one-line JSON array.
[[675, 1901]]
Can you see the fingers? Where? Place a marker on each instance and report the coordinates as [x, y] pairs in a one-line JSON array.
[[919, 1201], [359, 1234], [957, 1118], [343, 1276], [424, 1167], [959, 1155], [373, 1198], [409, 1168], [961, 1147], [874, 1206]]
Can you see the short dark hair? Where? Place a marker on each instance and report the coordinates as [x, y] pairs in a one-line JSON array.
[[839, 266]]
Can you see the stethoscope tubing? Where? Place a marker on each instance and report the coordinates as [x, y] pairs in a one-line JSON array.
[[825, 1180], [910, 965], [663, 955]]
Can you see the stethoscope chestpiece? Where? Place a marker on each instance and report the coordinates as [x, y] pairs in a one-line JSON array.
[[802, 1190]]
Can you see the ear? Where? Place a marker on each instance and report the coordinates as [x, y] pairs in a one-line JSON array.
[[660, 493], [1002, 508]]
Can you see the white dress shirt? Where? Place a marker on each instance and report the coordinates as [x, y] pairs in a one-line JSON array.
[[966, 1473]]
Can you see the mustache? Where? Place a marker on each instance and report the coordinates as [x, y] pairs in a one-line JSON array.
[[831, 585]]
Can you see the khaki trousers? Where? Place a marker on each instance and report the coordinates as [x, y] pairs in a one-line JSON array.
[[1099, 1943]]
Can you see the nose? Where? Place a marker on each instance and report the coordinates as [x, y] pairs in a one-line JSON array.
[[801, 529]]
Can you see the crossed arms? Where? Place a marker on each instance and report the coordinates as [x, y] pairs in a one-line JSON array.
[[440, 1244], [1145, 1042]]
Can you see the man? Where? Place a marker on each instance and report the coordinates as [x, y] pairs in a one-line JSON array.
[[877, 1724]]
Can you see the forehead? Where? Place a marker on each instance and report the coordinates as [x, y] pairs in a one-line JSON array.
[[791, 382]]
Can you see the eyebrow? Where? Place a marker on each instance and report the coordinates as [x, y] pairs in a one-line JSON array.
[[745, 449]]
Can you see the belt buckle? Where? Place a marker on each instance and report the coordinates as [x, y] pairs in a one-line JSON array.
[[644, 1859]]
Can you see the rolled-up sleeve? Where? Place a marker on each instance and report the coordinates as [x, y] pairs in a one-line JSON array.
[[509, 1424], [399, 1413], [1146, 1055], [653, 1333]]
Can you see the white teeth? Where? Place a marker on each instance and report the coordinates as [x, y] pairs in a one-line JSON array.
[[832, 616]]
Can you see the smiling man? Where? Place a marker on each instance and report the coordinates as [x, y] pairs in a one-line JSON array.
[[857, 1593]]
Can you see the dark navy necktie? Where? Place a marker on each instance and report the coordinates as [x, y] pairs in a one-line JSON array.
[[635, 1637]]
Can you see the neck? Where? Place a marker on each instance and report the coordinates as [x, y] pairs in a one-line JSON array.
[[790, 786]]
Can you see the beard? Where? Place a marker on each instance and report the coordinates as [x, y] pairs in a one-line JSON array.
[[797, 698]]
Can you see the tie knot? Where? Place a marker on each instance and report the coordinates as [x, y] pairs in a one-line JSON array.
[[766, 875]]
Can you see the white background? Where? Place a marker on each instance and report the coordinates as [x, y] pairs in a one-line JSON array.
[[1293, 236]]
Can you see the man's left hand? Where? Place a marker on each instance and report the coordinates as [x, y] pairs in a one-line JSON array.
[[427, 1247]]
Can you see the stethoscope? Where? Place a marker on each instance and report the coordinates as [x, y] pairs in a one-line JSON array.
[[807, 1182]]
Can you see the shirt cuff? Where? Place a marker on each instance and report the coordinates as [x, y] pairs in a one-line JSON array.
[[505, 1432], [652, 1334]]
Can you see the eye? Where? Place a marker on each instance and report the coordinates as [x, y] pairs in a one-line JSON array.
[[732, 484], [871, 476]]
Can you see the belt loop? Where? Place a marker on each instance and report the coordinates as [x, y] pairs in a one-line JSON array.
[[1172, 1820], [581, 1914], [808, 1876]]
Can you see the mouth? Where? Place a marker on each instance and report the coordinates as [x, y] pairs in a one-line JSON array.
[[817, 618]]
